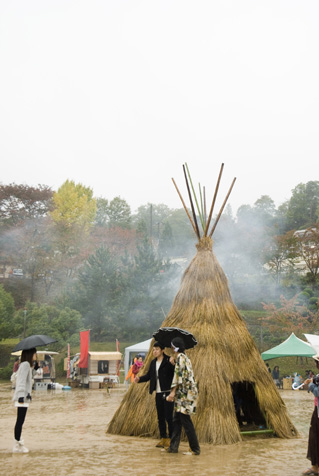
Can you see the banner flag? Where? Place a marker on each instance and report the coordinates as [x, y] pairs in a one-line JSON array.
[[85, 342]]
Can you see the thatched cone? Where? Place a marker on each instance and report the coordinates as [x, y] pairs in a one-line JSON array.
[[225, 354]]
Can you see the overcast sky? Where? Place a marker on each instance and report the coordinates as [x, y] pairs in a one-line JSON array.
[[118, 95]]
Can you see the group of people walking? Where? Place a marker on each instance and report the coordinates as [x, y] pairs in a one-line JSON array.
[[176, 396]]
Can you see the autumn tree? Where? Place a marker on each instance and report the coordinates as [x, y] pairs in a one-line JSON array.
[[291, 315], [308, 241], [73, 214], [74, 206], [19, 203]]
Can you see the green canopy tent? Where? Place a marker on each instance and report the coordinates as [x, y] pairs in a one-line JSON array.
[[293, 346]]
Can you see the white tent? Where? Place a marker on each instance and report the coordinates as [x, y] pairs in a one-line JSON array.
[[135, 349], [313, 341]]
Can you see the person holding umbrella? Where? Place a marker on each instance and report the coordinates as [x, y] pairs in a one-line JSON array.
[[184, 393], [22, 396]]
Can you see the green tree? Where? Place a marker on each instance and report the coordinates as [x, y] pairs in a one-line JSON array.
[[119, 213], [303, 206], [280, 255], [61, 324], [151, 291], [7, 311], [101, 217], [166, 243], [99, 294]]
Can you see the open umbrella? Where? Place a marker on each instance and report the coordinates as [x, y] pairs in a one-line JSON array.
[[33, 341], [164, 335]]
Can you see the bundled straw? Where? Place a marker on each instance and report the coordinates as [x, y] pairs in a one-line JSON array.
[[225, 354]]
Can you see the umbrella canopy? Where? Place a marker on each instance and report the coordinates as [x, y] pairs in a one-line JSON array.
[[34, 341], [164, 335], [43, 352], [293, 346]]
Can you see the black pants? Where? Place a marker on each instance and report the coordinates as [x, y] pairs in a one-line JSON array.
[[164, 414], [181, 420], [313, 441], [21, 413]]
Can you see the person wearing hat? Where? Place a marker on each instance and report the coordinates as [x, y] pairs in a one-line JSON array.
[[160, 375], [313, 440]]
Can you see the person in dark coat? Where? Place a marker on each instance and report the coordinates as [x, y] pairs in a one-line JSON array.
[[313, 441], [160, 376]]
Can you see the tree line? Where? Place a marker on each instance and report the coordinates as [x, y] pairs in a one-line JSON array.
[[89, 262]]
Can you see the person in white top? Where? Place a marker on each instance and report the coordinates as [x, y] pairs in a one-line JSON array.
[[22, 396]]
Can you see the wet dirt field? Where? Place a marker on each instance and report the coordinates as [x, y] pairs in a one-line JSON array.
[[65, 433]]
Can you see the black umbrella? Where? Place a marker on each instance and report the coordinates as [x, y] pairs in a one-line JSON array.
[[33, 341], [164, 335]]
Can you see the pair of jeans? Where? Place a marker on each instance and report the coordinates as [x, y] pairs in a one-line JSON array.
[[21, 413], [182, 420], [164, 414]]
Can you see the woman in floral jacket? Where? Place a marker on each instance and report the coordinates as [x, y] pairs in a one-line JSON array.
[[184, 393]]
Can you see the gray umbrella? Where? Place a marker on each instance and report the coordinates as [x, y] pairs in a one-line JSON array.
[[33, 341], [164, 335]]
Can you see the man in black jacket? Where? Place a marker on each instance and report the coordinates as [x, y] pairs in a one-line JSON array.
[[160, 374]]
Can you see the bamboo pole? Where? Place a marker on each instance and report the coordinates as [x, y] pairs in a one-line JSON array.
[[185, 208], [201, 206], [191, 182], [214, 199], [222, 208], [191, 202], [205, 212]]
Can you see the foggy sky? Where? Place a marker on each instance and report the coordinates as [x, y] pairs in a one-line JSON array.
[[118, 95]]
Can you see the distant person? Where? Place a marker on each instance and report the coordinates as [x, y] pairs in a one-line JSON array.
[[275, 375], [313, 441], [22, 396], [130, 374], [268, 368], [138, 364], [160, 375], [184, 394], [297, 380]]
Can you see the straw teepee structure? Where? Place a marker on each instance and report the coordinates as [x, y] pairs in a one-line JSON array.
[[225, 358]]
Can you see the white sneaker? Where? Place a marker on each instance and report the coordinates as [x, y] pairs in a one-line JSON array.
[[19, 447]]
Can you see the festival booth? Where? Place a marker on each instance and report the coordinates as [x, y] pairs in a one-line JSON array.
[[92, 369], [131, 351], [102, 370], [291, 347], [45, 375]]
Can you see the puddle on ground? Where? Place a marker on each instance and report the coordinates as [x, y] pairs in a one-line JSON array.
[[65, 433]]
